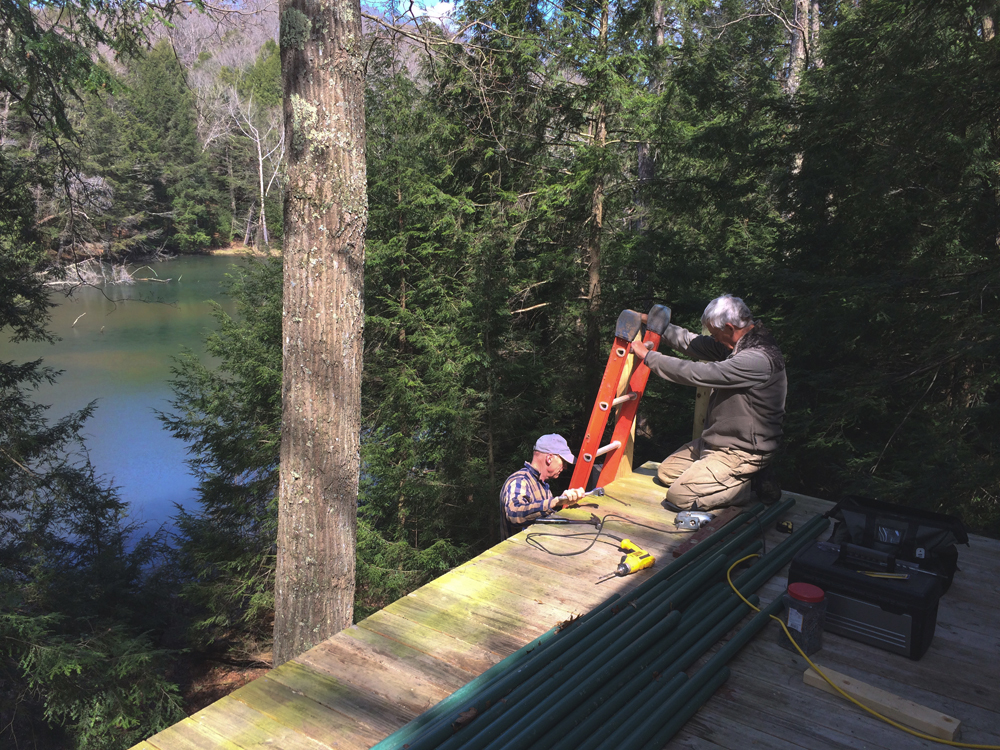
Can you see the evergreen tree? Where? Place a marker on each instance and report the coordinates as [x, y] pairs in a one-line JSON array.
[[231, 417], [895, 260], [77, 668], [182, 187]]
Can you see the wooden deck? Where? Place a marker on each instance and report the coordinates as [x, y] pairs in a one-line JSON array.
[[364, 683]]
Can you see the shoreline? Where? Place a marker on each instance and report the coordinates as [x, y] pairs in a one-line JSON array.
[[242, 250]]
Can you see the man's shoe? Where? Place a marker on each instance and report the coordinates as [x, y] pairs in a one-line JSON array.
[[671, 507], [764, 484]]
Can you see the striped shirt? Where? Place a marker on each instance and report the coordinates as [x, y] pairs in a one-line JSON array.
[[525, 497]]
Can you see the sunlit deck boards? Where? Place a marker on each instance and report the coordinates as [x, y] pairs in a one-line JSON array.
[[361, 685]]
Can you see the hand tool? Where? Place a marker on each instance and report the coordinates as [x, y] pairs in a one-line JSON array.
[[560, 521], [597, 492], [692, 519], [634, 560]]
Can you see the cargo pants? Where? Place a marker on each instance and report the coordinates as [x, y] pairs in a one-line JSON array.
[[702, 478]]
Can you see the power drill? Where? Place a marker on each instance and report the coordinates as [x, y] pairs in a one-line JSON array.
[[634, 559]]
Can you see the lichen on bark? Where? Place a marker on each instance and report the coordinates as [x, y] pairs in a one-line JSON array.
[[295, 29]]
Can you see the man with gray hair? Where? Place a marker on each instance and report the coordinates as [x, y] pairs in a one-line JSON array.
[[746, 370]]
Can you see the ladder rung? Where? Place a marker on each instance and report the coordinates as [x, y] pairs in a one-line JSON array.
[[630, 396], [612, 446]]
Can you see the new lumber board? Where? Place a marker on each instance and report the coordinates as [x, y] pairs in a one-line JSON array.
[[921, 718]]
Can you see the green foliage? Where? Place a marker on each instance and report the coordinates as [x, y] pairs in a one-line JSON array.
[[165, 105], [48, 52], [896, 251], [388, 570], [76, 668], [102, 684], [230, 415]]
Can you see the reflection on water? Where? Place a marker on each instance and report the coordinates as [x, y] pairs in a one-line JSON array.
[[119, 352]]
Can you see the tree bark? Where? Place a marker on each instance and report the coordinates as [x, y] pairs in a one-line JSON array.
[[814, 58], [799, 40], [326, 213], [592, 252]]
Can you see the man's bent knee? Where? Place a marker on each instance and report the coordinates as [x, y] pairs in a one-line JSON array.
[[682, 496]]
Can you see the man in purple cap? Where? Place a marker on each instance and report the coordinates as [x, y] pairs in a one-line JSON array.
[[526, 494]]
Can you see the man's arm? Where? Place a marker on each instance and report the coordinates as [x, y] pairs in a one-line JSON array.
[[695, 346], [524, 500], [739, 371]]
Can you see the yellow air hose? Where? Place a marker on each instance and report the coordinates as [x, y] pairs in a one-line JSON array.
[[886, 719]]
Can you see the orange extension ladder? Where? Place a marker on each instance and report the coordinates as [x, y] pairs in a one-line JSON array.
[[626, 330]]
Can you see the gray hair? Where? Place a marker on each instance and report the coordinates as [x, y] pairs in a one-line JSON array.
[[726, 309]]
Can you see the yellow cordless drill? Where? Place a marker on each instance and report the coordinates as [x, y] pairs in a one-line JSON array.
[[634, 559]]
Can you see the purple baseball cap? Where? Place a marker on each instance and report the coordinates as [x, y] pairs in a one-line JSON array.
[[557, 445]]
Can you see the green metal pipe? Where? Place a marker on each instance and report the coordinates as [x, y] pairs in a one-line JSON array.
[[703, 548], [683, 657], [705, 618], [579, 735], [601, 646], [618, 635], [505, 682], [566, 696], [447, 710], [685, 712], [597, 714], [759, 523], [776, 561], [499, 679], [648, 735], [629, 652]]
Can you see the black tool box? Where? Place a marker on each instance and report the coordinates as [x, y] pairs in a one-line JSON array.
[[897, 613]]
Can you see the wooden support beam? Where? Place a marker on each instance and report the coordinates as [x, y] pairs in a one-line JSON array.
[[921, 718]]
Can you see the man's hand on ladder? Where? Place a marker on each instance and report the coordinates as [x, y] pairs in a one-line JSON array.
[[640, 349]]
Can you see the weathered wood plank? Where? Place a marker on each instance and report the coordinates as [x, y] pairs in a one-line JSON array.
[[403, 683], [500, 638], [188, 734], [963, 680], [304, 715], [465, 656], [478, 592], [366, 682], [439, 608], [249, 729], [363, 706]]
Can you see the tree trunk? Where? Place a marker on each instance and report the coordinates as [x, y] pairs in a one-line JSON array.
[[645, 166], [592, 254], [988, 21], [799, 40], [260, 178], [814, 58], [232, 194], [326, 212]]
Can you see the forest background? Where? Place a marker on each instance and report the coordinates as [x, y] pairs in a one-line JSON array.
[[533, 169]]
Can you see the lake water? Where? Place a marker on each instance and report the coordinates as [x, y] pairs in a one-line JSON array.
[[119, 352]]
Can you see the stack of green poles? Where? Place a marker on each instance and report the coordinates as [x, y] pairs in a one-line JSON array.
[[588, 685]]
